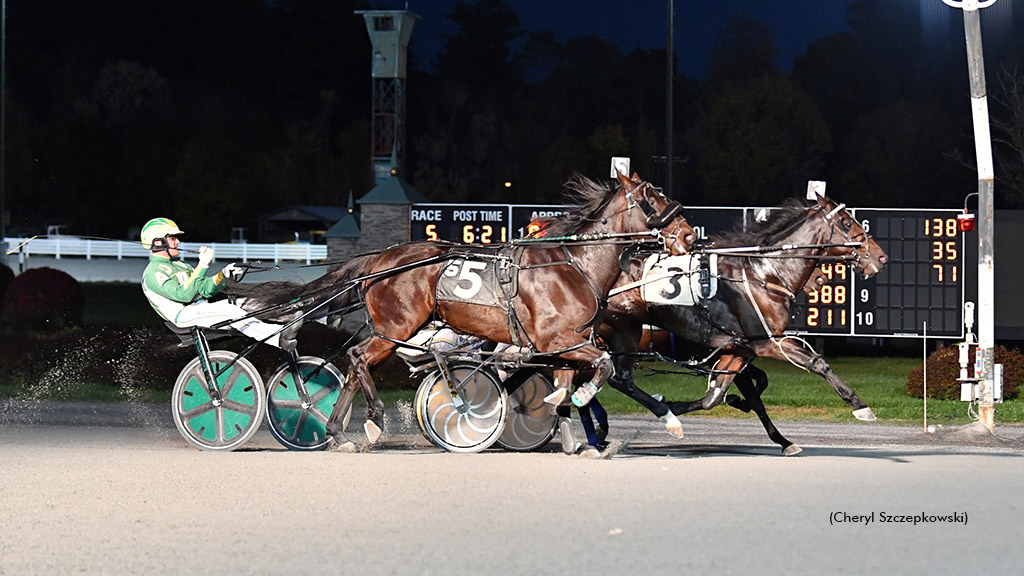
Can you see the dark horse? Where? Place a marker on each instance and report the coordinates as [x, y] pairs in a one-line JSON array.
[[562, 286], [746, 319]]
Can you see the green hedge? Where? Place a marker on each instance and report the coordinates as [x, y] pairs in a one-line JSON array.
[[944, 369]]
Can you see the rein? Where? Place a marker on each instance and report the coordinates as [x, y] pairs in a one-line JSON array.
[[596, 238], [768, 332]]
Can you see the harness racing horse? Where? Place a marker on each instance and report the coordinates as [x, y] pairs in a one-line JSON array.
[[756, 289], [560, 295], [751, 381]]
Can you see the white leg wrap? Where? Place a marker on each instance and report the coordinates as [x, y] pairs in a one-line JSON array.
[[556, 397], [672, 425], [372, 431], [865, 414]]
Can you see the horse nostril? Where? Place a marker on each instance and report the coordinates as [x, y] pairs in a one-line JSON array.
[[689, 239], [883, 259]]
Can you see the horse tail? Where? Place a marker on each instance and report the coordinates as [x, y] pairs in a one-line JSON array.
[[332, 293]]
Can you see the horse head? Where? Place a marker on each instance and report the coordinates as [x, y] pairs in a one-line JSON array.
[[658, 213], [849, 239], [815, 282]]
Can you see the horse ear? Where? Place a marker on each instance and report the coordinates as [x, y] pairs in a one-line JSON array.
[[636, 178], [624, 180]]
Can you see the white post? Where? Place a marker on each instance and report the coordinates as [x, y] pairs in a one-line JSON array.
[[924, 385], [986, 208]]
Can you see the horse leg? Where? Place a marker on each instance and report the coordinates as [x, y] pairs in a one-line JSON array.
[[752, 401], [604, 369], [623, 382], [861, 411], [361, 357], [563, 382], [335, 428], [588, 424], [602, 422], [728, 366], [376, 352], [816, 364]]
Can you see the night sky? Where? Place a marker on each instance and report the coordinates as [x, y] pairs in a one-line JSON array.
[[796, 24]]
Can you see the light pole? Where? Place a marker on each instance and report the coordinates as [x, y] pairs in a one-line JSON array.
[[669, 80], [3, 131], [986, 210]]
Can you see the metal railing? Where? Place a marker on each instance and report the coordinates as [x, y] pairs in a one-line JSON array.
[[63, 246]]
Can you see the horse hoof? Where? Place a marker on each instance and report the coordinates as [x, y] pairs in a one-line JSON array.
[[588, 452], [672, 425], [865, 414], [556, 397], [569, 446], [372, 431], [345, 447], [792, 450]]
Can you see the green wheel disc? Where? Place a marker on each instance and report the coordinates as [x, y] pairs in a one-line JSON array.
[[225, 425], [298, 424]]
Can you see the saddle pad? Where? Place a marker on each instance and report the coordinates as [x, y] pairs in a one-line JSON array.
[[675, 280], [470, 281]]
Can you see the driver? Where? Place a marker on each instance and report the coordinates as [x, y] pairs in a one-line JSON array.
[[178, 292]]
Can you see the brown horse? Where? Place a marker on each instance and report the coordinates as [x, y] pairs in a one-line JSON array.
[[561, 285], [750, 313]]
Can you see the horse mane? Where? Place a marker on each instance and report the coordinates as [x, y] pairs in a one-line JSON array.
[[588, 196], [756, 233]]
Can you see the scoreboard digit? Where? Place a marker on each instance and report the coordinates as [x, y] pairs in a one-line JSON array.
[[924, 278], [827, 310], [468, 224], [922, 281]]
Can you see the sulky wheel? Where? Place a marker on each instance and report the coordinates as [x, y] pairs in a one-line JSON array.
[[222, 424], [297, 422], [531, 422], [470, 421]]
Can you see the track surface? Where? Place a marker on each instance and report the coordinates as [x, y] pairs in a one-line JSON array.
[[114, 490]]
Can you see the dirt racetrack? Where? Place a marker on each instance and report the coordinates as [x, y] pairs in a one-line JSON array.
[[112, 489]]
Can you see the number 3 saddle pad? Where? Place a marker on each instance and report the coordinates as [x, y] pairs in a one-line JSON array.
[[677, 280], [479, 275]]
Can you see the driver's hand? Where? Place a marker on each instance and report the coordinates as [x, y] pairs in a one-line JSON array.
[[205, 256], [234, 272]]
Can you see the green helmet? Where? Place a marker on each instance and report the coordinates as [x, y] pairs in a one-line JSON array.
[[155, 232]]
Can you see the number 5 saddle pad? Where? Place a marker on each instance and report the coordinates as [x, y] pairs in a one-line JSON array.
[[479, 275], [679, 280]]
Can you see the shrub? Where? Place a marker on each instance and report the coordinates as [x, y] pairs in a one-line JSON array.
[[944, 369], [44, 298]]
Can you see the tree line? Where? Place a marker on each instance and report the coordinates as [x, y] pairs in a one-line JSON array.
[[217, 112]]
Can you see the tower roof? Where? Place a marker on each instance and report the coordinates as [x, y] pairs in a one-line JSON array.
[[394, 190], [347, 227]]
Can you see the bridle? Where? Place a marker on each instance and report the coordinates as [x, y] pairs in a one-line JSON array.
[[836, 224], [654, 219]]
